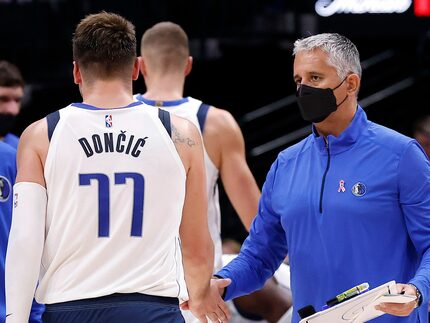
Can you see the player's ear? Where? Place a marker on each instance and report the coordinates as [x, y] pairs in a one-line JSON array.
[[136, 68], [189, 65], [77, 78], [142, 66]]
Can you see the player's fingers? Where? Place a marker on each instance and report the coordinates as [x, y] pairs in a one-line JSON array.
[[224, 308], [202, 319], [221, 315], [213, 317]]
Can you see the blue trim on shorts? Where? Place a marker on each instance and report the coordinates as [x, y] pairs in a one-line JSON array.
[[109, 300]]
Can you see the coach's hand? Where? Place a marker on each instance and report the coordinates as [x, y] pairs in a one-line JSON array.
[[211, 305], [400, 309]]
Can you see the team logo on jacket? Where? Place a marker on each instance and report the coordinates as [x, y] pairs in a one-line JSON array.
[[108, 120], [359, 189], [5, 189]]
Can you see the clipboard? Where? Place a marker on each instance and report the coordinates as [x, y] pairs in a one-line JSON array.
[[360, 308]]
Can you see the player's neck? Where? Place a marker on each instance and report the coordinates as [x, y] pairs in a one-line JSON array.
[[107, 94], [163, 95], [166, 88]]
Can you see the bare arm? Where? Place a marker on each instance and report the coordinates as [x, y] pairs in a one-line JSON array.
[[197, 245], [226, 148], [32, 151], [27, 232]]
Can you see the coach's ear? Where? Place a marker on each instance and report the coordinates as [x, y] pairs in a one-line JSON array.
[[77, 78]]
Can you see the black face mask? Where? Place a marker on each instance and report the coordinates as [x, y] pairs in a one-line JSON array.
[[7, 121], [316, 104]]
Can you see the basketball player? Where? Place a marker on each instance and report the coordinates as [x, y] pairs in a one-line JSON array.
[[107, 195], [165, 62]]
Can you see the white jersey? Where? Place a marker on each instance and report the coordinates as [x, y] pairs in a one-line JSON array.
[[188, 108], [116, 188]]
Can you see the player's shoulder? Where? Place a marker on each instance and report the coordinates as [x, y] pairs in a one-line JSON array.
[[36, 134], [183, 126], [37, 128], [220, 122], [220, 116]]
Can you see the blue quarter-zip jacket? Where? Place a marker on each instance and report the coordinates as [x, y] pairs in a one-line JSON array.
[[7, 180], [349, 210]]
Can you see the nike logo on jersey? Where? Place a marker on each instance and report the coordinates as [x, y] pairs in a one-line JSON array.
[[9, 314]]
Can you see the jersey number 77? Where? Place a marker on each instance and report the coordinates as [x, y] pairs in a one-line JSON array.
[[104, 199]]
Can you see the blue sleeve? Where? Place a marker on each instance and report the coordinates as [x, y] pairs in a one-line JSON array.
[[414, 195], [263, 250], [36, 312]]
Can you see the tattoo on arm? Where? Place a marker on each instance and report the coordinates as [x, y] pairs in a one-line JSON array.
[[178, 138]]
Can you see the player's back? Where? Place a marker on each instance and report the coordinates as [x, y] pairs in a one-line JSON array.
[[116, 188], [195, 111]]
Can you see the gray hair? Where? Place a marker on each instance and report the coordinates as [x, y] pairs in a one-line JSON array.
[[342, 53]]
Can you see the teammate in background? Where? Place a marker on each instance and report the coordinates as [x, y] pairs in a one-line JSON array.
[[105, 189], [165, 63], [11, 93]]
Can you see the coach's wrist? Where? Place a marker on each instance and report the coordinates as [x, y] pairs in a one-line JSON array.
[[419, 297]]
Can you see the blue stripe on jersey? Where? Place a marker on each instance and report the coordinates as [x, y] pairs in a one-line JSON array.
[[201, 115], [52, 119], [159, 103], [91, 107], [165, 120]]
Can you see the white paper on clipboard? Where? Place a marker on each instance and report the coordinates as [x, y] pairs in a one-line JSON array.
[[361, 308]]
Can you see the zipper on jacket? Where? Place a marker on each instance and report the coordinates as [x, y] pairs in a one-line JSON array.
[[325, 173]]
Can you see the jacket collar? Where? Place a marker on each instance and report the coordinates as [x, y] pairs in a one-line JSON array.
[[346, 139]]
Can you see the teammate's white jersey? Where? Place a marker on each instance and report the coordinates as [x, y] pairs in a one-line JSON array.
[[188, 108], [116, 188]]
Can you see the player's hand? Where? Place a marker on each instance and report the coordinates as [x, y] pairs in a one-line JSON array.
[[402, 309], [210, 306]]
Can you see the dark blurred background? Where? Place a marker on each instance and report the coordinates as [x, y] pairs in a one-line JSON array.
[[242, 61]]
